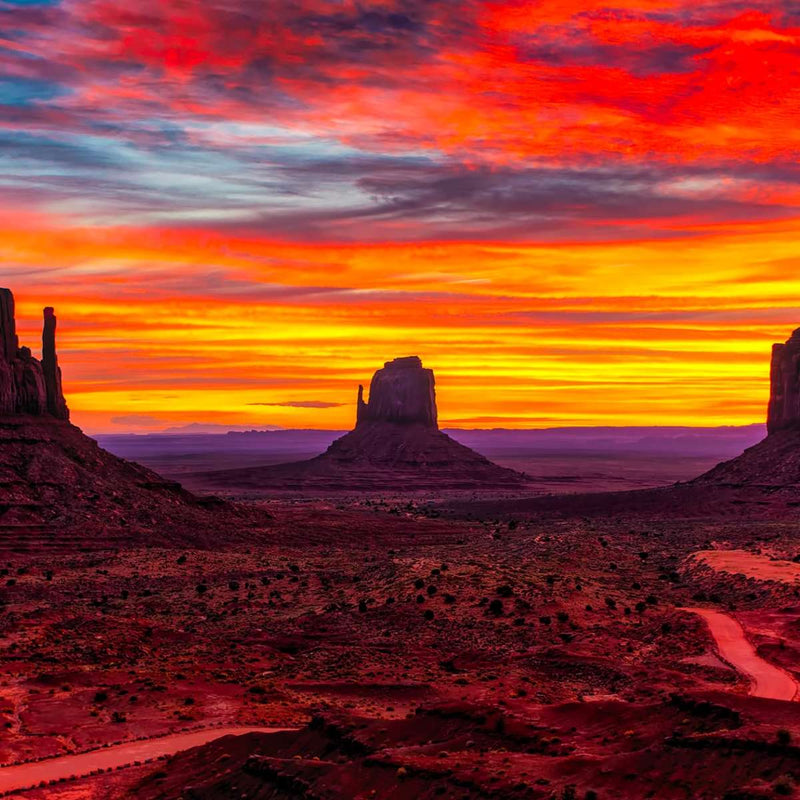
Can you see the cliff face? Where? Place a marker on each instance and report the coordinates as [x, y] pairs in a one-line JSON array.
[[27, 385], [775, 461], [784, 398], [402, 393]]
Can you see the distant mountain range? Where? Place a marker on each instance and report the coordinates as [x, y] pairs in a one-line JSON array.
[[722, 442]]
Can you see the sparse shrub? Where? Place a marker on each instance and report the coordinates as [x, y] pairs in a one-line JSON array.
[[428, 615], [100, 697], [496, 607], [505, 590], [784, 737], [201, 588], [784, 786]]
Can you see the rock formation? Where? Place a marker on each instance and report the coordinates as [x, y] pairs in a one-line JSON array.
[[774, 462], [60, 489], [402, 392], [784, 399], [27, 385], [395, 446]]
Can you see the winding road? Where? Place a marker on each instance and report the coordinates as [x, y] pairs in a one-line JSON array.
[[25, 776], [766, 680]]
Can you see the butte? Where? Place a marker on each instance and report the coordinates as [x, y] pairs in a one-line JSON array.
[[396, 446], [773, 463]]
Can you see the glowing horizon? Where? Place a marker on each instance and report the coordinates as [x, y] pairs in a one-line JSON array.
[[575, 213]]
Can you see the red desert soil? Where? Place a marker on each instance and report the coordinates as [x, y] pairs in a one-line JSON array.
[[22, 776], [767, 680], [741, 562]]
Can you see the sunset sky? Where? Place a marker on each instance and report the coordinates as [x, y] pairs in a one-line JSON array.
[[576, 213]]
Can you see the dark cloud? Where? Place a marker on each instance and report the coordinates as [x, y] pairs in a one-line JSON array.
[[301, 404], [188, 128]]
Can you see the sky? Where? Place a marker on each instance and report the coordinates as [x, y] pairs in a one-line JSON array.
[[576, 213]]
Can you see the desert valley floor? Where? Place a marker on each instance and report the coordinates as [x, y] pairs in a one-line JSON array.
[[412, 649]]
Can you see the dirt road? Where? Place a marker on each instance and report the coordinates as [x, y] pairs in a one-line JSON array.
[[25, 776], [766, 680]]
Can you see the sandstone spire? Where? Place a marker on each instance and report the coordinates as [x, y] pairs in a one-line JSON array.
[[56, 405], [8, 332]]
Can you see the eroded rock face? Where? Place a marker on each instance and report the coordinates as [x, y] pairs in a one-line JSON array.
[[27, 385], [784, 398], [402, 392]]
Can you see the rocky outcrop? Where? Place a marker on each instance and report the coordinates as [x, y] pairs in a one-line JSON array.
[[27, 385], [784, 398], [401, 393]]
